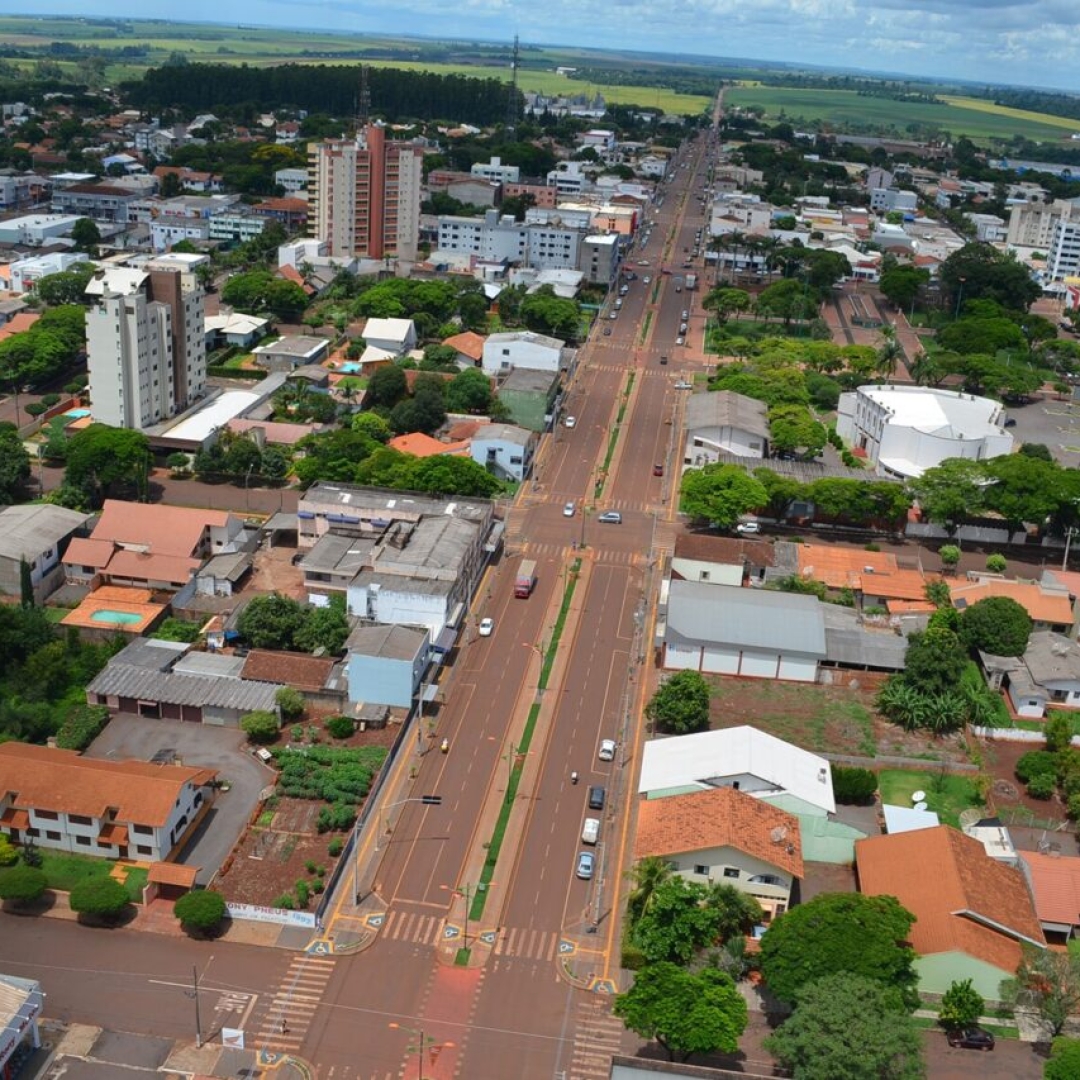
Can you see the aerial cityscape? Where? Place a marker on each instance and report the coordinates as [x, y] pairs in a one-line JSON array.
[[538, 560]]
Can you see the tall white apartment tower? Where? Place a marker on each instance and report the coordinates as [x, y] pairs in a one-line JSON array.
[[146, 345], [365, 195]]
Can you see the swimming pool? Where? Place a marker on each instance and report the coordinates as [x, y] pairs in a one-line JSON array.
[[350, 367], [121, 618], [76, 414]]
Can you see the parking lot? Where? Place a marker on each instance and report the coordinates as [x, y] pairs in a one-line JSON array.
[[1052, 422], [224, 749]]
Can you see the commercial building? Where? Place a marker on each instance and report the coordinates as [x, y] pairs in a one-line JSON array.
[[505, 450], [724, 422], [905, 430], [522, 349], [386, 664], [365, 195], [146, 344], [111, 809]]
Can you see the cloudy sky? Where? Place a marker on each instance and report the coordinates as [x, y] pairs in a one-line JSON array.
[[1026, 42]]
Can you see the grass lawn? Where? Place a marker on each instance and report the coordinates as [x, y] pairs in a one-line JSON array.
[[64, 871], [946, 794], [1040, 725], [56, 614]]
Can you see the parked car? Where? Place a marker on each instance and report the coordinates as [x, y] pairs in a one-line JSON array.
[[585, 863], [597, 798], [570, 421], [1010, 421], [607, 750], [607, 331], [972, 1038], [748, 528], [680, 341], [486, 627], [647, 279], [682, 384], [658, 469], [610, 517]]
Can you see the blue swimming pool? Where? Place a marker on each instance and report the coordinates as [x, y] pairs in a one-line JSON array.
[[118, 618], [76, 414], [350, 367]]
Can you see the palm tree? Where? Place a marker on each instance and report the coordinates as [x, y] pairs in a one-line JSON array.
[[890, 352], [770, 247], [647, 874]]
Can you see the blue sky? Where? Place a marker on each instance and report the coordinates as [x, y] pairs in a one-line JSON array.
[[1027, 42]]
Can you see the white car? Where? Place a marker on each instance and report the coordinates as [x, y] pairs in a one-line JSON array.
[[647, 279], [748, 528], [568, 510], [607, 750], [570, 421], [682, 384], [680, 341], [486, 627]]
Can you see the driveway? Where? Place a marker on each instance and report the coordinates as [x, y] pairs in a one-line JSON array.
[[1052, 422], [224, 749], [1009, 1060]]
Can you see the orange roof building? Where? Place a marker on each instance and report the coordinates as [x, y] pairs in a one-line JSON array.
[[468, 344], [112, 809], [972, 912], [1050, 609], [1055, 887], [724, 835], [420, 445], [18, 324]]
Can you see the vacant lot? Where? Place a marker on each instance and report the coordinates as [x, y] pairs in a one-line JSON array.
[[824, 719], [846, 109], [947, 794]]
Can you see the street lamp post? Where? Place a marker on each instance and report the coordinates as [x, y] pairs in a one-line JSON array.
[[194, 993], [468, 893], [959, 296]]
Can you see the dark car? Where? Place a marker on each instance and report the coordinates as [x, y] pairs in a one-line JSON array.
[[1010, 422], [658, 470], [597, 797], [972, 1038]]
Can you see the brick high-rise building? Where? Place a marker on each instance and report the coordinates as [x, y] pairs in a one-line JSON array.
[[365, 195]]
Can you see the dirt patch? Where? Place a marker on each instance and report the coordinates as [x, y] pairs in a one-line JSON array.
[[824, 719], [273, 571], [270, 859], [1008, 797]]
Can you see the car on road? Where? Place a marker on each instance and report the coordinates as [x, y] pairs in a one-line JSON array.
[[658, 469], [570, 421], [971, 1038], [613, 315], [568, 510], [610, 517], [1010, 421], [607, 331], [643, 262], [680, 341], [586, 861], [685, 315], [597, 798], [607, 750], [663, 359], [748, 528], [487, 625], [647, 279], [682, 384]]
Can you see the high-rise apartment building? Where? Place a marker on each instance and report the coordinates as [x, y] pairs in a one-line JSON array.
[[365, 195], [146, 345], [1063, 258]]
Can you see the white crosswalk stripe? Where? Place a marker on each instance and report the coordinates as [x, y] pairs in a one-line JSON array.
[[287, 1017], [597, 1037], [526, 944], [410, 926]]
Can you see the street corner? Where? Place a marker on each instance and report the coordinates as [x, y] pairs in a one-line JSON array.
[[603, 986], [285, 1066], [321, 946]]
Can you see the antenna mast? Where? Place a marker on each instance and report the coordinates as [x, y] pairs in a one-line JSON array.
[[512, 97]]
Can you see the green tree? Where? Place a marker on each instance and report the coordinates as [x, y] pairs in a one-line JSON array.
[[648, 875], [720, 493], [1058, 732], [848, 1027], [1027, 489], [99, 897], [102, 460], [201, 910], [372, 425], [290, 702], [951, 492], [680, 705], [66, 287], [260, 726], [788, 299], [980, 272], [996, 563], [1064, 1061], [387, 386], [1047, 981], [86, 235], [469, 392], [949, 555], [996, 624], [686, 1014], [725, 303], [934, 661], [23, 885], [14, 464], [678, 923], [902, 285], [781, 491], [839, 932], [961, 1005], [792, 428], [271, 621], [323, 628]]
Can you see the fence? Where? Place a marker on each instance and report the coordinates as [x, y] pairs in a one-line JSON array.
[[1015, 735]]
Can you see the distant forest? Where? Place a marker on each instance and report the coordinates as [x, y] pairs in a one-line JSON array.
[[1042, 101], [395, 95]]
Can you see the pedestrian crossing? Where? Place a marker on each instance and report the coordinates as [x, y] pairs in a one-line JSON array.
[[597, 1037], [525, 944], [291, 1008], [420, 929]]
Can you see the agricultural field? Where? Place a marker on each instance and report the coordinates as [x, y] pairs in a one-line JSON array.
[[846, 110], [261, 47]]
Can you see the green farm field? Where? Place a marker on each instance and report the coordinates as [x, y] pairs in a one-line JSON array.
[[260, 47], [846, 110]]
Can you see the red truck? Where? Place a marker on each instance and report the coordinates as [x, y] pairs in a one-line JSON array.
[[526, 579]]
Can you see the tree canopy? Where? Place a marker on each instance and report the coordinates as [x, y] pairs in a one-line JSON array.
[[979, 271], [103, 461], [680, 705], [720, 493], [997, 625], [834, 933], [849, 1027], [686, 1014], [14, 464]]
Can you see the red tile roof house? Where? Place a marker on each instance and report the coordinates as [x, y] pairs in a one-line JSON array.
[[724, 836], [972, 913], [1055, 885], [112, 809], [150, 545]]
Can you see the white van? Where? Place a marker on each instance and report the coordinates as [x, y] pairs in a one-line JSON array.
[[591, 830]]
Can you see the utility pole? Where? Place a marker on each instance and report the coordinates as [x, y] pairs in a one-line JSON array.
[[512, 95], [194, 993]]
